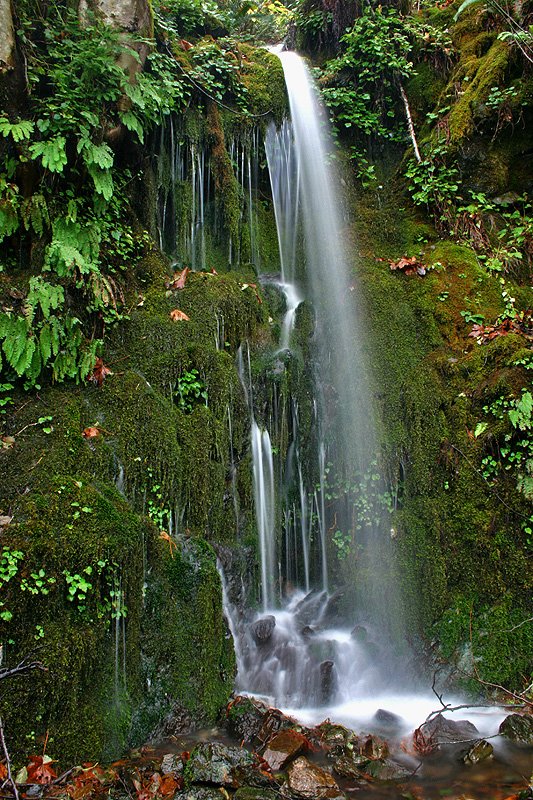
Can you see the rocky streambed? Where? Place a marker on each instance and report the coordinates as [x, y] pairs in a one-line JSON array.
[[259, 753]]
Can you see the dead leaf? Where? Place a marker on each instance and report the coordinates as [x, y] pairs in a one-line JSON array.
[[254, 287], [4, 521], [167, 538], [213, 271], [40, 770], [7, 442], [521, 324], [178, 279], [185, 45], [91, 433], [3, 772], [409, 266], [99, 373], [169, 785], [176, 316]]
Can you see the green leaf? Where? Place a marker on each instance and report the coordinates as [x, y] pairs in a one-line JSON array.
[[481, 427], [464, 5], [17, 130], [52, 153], [132, 123]]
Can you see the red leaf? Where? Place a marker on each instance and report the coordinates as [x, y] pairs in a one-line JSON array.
[[99, 373], [185, 45], [409, 266], [176, 316], [40, 770]]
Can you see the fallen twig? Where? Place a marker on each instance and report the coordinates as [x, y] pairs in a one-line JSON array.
[[10, 778]]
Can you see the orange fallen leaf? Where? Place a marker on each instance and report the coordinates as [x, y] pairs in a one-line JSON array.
[[3, 772], [409, 266], [185, 45], [176, 315], [91, 433]]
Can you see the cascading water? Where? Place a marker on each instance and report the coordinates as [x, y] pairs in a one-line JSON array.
[[317, 650]]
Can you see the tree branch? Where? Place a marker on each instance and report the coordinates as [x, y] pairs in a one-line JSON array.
[[410, 125], [10, 778]]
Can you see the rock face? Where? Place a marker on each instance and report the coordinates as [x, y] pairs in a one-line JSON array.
[[7, 40], [517, 728], [263, 629], [132, 16], [307, 780]]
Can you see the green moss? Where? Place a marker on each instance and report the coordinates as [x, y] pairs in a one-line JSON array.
[[457, 536], [262, 74], [189, 656], [76, 699], [481, 74]]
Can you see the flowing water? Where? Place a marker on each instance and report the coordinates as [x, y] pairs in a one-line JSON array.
[[309, 652]]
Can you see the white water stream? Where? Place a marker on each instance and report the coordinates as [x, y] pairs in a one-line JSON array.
[[300, 657]]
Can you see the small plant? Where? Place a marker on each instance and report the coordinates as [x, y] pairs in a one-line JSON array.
[[191, 390], [78, 587]]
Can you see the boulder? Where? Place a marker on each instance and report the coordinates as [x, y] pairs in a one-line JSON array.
[[441, 731], [202, 793], [171, 764], [478, 751], [308, 780], [253, 793], [262, 629], [387, 721], [517, 728], [215, 764], [283, 747], [245, 719], [351, 764], [383, 769]]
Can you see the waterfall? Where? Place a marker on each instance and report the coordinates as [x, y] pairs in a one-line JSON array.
[[310, 648]]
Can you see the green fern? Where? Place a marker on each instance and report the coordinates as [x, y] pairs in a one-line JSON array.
[[51, 152], [34, 213], [17, 130]]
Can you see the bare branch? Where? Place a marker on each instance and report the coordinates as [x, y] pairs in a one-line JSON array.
[[410, 125], [10, 778]]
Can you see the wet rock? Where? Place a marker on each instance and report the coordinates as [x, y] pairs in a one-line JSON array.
[[283, 747], [307, 631], [171, 763], [336, 606], [310, 781], [202, 793], [214, 763], [441, 731], [253, 793], [244, 719], [328, 681], [262, 629], [479, 751], [383, 769], [387, 721], [350, 764], [332, 735], [179, 721], [274, 721], [517, 728], [373, 748], [308, 609]]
